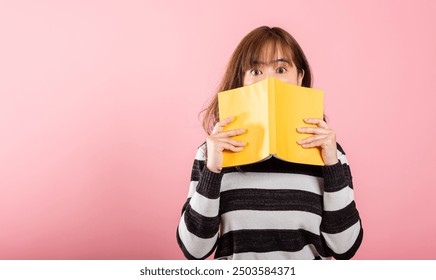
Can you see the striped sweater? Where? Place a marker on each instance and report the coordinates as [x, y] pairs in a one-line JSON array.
[[271, 210]]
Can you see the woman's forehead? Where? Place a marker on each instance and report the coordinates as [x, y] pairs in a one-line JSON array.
[[272, 53]]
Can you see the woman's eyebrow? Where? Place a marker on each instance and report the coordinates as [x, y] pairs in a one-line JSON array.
[[280, 60], [257, 62]]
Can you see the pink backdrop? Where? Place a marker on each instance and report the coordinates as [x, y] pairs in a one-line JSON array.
[[99, 127]]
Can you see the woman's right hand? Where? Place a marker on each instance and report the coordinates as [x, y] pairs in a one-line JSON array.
[[219, 141]]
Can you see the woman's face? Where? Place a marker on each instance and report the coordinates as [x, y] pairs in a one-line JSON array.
[[278, 67]]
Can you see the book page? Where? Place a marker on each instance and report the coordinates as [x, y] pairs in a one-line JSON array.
[[293, 104], [249, 106]]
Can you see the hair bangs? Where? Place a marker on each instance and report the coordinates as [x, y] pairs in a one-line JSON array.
[[265, 49]]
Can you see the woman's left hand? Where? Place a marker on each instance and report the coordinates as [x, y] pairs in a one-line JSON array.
[[324, 138]]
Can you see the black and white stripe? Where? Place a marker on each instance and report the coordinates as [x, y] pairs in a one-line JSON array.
[[270, 210]]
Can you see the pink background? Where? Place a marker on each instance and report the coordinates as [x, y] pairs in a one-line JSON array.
[[99, 127]]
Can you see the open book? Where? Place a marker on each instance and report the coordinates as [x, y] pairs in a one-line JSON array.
[[271, 111]]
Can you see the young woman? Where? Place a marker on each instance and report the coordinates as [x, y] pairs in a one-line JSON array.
[[272, 209]]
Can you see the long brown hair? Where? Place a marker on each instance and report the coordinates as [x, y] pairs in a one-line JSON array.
[[251, 49]]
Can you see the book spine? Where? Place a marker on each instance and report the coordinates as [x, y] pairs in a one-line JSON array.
[[272, 116]]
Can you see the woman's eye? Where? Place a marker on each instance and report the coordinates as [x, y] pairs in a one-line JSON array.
[[281, 70], [255, 72]]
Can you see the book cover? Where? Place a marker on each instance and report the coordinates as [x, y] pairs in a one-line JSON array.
[[270, 111]]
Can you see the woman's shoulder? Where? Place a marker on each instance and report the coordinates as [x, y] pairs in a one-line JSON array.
[[201, 152], [341, 154], [340, 149]]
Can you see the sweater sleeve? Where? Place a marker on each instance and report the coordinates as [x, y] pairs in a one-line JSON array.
[[341, 227], [197, 232]]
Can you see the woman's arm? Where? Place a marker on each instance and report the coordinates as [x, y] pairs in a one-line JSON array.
[[341, 227], [197, 233]]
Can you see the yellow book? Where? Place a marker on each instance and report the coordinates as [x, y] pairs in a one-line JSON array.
[[271, 111]]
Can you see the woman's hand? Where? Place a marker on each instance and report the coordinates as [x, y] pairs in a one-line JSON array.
[[219, 141], [323, 137]]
